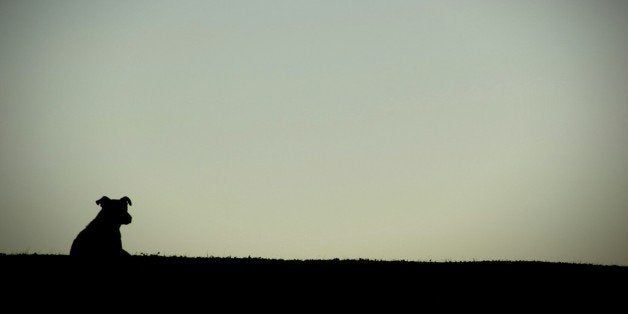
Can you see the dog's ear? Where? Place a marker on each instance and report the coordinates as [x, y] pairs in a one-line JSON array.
[[126, 199], [102, 200]]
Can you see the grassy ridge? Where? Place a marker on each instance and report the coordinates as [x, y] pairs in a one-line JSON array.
[[209, 261], [268, 279], [147, 264], [184, 260]]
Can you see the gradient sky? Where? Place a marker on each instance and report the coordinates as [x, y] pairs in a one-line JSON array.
[[443, 130]]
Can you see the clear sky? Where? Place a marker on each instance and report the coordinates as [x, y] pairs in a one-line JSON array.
[[443, 130]]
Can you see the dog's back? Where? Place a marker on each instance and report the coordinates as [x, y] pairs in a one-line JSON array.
[[93, 242]]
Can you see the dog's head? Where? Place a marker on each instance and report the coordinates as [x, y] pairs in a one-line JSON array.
[[116, 211]]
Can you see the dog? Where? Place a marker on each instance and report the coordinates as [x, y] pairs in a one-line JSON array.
[[101, 237]]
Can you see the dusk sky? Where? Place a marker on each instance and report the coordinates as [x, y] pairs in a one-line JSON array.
[[417, 130]]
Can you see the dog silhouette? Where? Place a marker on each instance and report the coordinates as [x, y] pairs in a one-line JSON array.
[[101, 237]]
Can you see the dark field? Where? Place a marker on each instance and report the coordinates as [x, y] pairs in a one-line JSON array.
[[181, 284], [156, 281], [228, 270]]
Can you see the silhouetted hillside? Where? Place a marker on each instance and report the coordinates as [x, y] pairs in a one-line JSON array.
[[252, 282], [216, 268]]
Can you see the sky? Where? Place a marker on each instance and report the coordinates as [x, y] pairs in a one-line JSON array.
[[416, 130]]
